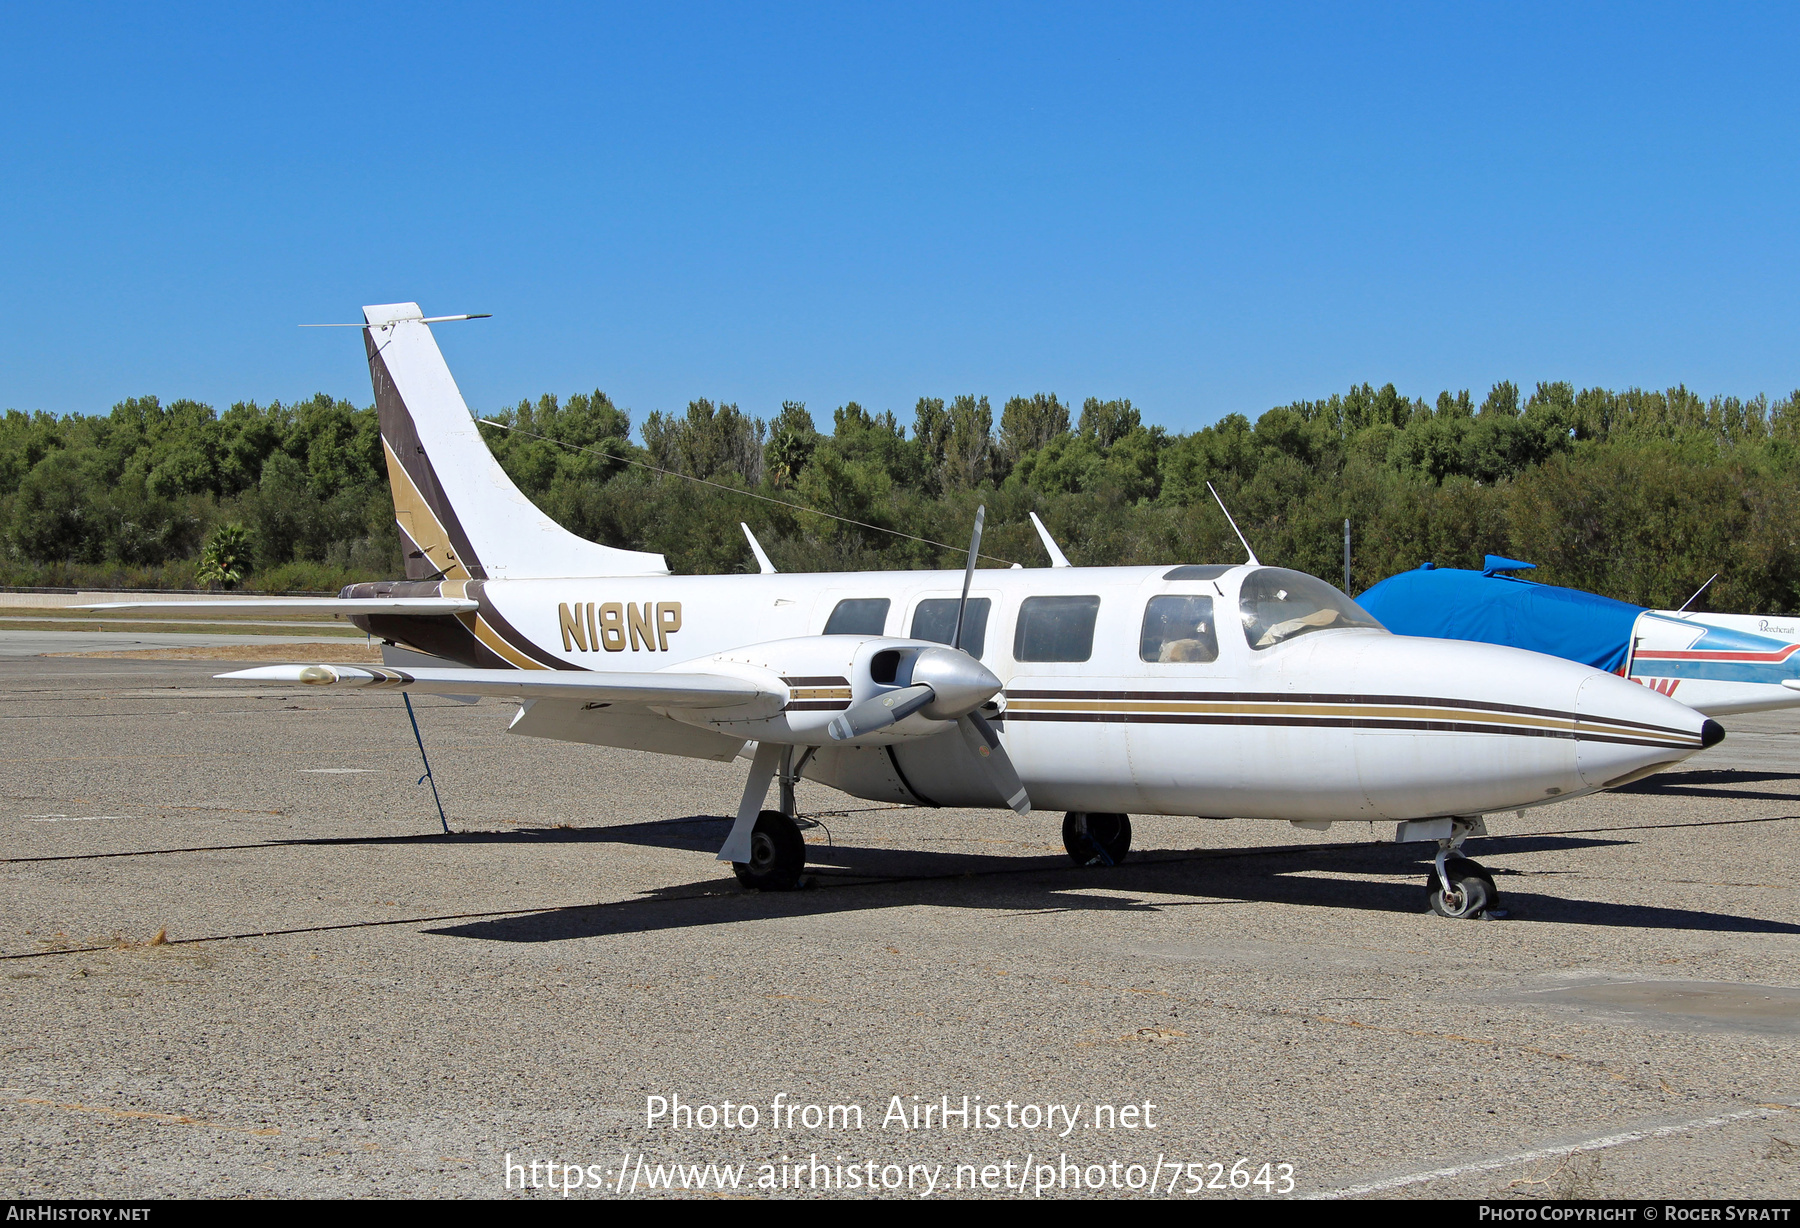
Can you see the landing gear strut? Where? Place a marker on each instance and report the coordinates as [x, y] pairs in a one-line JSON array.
[[777, 849], [1096, 839], [1458, 887]]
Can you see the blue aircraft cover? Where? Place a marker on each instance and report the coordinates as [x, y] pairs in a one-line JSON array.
[[1453, 604]]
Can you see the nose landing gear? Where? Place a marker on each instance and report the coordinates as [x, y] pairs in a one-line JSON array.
[[1461, 889], [1096, 839], [1458, 887]]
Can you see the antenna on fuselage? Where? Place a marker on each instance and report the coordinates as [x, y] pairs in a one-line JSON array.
[[962, 607], [1691, 600], [762, 558], [1254, 561], [1057, 557]]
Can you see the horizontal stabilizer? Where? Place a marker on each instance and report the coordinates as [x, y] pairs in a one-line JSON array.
[[671, 690], [308, 605]]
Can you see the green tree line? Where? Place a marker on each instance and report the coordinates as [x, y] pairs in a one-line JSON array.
[[1641, 495]]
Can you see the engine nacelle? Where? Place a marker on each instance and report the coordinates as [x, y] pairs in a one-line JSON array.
[[823, 676], [933, 771]]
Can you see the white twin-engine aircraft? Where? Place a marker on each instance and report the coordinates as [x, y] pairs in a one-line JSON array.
[[1237, 691]]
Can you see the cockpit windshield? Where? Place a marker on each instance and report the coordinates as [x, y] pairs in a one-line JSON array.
[[1278, 605]]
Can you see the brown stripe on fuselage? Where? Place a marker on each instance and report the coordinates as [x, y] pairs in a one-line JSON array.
[[441, 635], [1296, 721], [503, 633], [1285, 700], [1419, 711], [482, 640]]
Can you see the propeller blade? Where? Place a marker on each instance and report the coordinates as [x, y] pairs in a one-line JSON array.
[[969, 574], [994, 760], [880, 711]]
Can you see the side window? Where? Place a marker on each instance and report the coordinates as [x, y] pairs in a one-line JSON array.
[[936, 620], [858, 616], [1179, 629], [1056, 629]]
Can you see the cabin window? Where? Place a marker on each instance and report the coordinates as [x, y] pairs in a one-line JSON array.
[[1277, 605], [936, 620], [1055, 629], [1179, 630], [858, 616], [1200, 571]]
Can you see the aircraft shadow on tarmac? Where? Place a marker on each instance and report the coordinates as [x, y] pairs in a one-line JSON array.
[[859, 879], [1712, 784]]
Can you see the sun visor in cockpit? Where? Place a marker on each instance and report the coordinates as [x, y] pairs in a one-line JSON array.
[[1453, 604]]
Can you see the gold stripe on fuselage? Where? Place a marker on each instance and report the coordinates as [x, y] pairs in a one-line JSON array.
[[1301, 713], [1422, 712], [482, 631]]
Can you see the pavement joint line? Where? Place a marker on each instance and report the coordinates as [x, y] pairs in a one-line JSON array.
[[167, 1119], [310, 929], [1282, 1012], [206, 754], [1213, 1004], [1549, 1153], [208, 713], [867, 881]]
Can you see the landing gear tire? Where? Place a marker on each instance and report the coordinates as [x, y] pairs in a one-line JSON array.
[[777, 854], [1096, 839], [1473, 897]]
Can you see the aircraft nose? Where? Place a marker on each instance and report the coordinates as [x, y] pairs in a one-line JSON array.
[[1624, 731]]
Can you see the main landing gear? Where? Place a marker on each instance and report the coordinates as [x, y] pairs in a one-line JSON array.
[[777, 848], [777, 854], [1096, 839], [1458, 887]]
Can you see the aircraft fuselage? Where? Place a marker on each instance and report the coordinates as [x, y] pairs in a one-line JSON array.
[[1334, 723]]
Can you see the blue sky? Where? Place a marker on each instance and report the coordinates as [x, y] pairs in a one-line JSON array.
[[1204, 209]]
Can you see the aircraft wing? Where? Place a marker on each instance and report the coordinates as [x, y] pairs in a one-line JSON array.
[[308, 605], [675, 690]]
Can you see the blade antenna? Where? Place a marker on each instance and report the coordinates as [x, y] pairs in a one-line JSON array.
[[762, 558], [1057, 557], [962, 607], [1691, 600], [1254, 561]]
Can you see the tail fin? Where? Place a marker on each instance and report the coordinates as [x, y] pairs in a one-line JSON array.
[[460, 516]]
